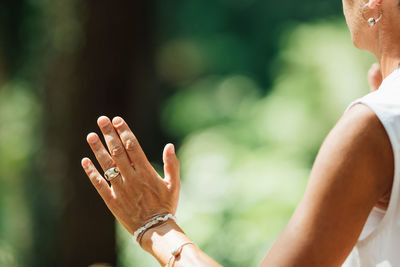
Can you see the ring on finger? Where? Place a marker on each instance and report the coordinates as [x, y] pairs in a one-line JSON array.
[[111, 174]]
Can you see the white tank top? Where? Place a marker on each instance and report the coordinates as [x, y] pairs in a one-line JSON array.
[[379, 242]]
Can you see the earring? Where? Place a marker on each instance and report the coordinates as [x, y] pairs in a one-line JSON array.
[[371, 21]]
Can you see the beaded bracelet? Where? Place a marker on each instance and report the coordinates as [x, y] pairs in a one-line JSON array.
[[155, 220], [177, 252]]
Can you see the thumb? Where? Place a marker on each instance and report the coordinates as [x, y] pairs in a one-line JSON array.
[[171, 165], [374, 77]]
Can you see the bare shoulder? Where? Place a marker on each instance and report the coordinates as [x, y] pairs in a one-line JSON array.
[[360, 138], [359, 150], [352, 171]]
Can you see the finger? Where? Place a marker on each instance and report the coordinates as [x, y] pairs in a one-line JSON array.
[[101, 153], [171, 165], [97, 180], [131, 144], [115, 146], [374, 77]]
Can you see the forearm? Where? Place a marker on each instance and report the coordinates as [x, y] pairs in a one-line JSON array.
[[161, 240]]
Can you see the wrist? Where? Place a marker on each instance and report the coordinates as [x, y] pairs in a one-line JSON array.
[[155, 221], [158, 233], [161, 239]]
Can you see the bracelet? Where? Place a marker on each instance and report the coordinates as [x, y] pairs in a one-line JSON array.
[[140, 236], [177, 252], [155, 220]]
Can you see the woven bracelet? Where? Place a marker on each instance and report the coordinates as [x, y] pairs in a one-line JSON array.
[[155, 220]]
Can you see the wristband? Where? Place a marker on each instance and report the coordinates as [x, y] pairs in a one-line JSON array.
[[155, 220]]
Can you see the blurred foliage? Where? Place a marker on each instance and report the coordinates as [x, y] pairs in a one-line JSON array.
[[222, 37], [246, 157], [253, 90], [18, 115]]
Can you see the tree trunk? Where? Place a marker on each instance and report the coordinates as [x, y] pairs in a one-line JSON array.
[[110, 74]]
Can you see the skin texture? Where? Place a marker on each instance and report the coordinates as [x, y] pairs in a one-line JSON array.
[[374, 77], [352, 173], [152, 194]]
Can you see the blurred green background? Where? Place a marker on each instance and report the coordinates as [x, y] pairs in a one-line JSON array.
[[246, 89]]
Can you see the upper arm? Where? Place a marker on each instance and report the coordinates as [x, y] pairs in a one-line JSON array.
[[353, 169]]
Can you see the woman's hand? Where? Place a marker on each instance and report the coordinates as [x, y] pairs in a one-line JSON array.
[[374, 77], [138, 193]]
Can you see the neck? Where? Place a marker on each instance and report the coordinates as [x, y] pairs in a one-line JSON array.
[[389, 64], [388, 50]]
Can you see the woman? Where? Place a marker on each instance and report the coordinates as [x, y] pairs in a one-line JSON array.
[[350, 212]]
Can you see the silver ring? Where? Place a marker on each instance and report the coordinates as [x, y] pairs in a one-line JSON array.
[[111, 173]]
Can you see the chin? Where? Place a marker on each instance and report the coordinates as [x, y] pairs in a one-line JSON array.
[[357, 42]]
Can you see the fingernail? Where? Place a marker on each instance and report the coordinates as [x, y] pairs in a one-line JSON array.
[[117, 121], [102, 121], [91, 138], [172, 149], [85, 162]]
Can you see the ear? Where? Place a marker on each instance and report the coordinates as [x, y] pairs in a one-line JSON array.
[[374, 3]]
